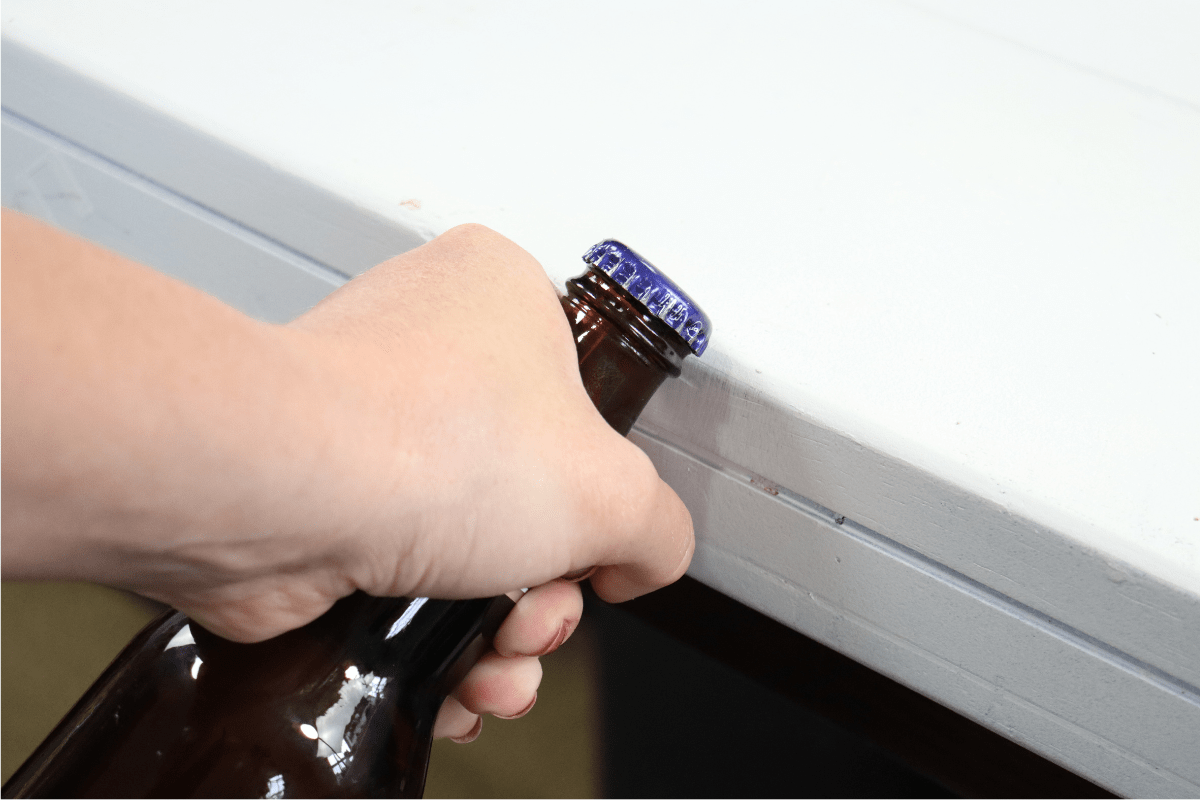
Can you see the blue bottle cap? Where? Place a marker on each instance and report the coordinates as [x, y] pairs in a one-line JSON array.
[[654, 290]]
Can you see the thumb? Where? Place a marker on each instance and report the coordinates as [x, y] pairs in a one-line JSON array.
[[657, 548]]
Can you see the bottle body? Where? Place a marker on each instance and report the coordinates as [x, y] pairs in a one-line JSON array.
[[342, 707], [345, 705]]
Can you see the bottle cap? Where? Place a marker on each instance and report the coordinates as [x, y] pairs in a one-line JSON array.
[[652, 289]]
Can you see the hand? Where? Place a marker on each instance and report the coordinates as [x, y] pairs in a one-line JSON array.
[[500, 472], [505, 681], [423, 431]]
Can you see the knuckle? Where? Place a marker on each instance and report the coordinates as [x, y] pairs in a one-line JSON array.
[[470, 230], [478, 237]]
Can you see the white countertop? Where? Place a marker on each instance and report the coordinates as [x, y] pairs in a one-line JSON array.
[[976, 256], [965, 237]]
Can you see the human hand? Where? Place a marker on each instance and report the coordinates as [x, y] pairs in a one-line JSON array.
[[454, 397], [423, 431]]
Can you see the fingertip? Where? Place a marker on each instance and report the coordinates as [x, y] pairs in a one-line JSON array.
[[499, 685], [470, 735], [520, 713], [456, 723], [616, 584], [541, 621]]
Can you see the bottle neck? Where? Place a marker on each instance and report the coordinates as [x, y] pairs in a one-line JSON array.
[[625, 353], [652, 337]]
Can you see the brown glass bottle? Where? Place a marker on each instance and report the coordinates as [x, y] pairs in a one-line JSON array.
[[344, 706]]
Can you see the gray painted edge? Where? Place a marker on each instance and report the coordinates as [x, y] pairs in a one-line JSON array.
[[1035, 565], [1055, 690], [51, 179]]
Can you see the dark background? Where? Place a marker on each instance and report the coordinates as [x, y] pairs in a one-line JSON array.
[[704, 697]]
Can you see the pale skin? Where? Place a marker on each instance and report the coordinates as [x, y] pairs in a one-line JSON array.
[[423, 431]]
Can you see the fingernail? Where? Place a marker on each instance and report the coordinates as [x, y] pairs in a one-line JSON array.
[[472, 734], [520, 713], [580, 574], [560, 636]]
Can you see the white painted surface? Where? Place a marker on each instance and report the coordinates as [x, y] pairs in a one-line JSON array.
[[953, 268], [1149, 45], [974, 257]]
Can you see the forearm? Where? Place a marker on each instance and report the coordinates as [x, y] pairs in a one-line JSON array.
[[142, 415]]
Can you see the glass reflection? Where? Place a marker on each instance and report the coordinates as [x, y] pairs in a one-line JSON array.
[[181, 639], [338, 729], [274, 787], [407, 617]]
